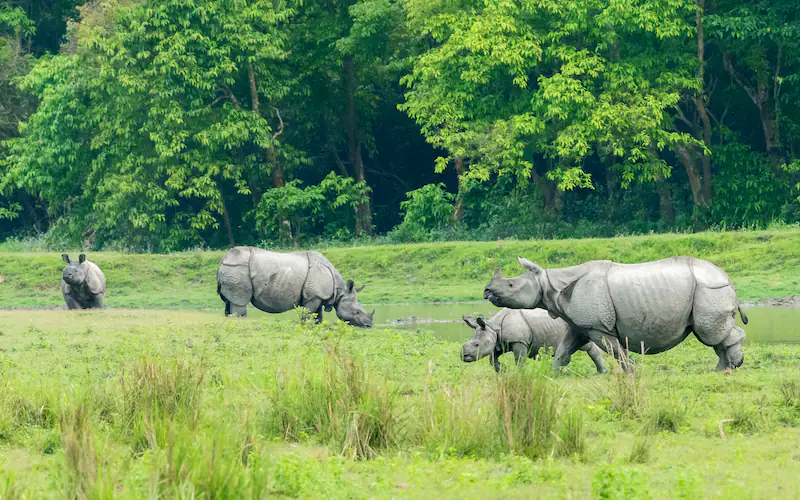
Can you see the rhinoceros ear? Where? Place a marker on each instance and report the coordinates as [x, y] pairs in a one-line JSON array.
[[530, 266], [82, 258], [469, 322], [482, 323], [350, 285], [360, 288], [497, 273], [65, 258]]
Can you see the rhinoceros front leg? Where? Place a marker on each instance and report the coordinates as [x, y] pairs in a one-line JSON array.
[[71, 302], [232, 309], [98, 302], [313, 306], [520, 351], [570, 343], [596, 354], [495, 362]]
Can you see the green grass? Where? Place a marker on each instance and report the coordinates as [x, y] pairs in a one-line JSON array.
[[762, 264], [181, 404]]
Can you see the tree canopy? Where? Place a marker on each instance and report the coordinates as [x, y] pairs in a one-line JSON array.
[[168, 124]]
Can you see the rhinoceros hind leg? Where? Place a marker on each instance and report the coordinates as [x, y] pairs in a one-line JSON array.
[[234, 310], [98, 302]]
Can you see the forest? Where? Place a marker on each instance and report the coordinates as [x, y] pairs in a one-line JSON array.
[[163, 125]]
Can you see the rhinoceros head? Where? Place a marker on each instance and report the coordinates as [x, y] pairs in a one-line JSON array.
[[75, 273], [349, 310], [482, 344], [522, 292]]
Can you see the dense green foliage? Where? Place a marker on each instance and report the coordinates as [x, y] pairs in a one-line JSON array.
[[163, 125], [762, 264], [132, 404]]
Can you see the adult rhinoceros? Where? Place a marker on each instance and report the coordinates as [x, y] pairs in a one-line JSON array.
[[651, 306], [277, 282], [83, 284]]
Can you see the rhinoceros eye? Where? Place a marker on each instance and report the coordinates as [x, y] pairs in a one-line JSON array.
[[511, 285]]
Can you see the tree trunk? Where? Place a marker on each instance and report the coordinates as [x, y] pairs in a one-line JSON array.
[[700, 103], [458, 213], [364, 217], [666, 206], [689, 160], [546, 188], [276, 171], [227, 219]]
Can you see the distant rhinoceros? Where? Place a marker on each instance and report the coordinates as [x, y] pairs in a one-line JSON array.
[[521, 331], [83, 284], [649, 307], [278, 282]]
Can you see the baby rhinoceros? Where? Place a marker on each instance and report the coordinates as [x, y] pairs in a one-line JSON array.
[[83, 284], [521, 331]]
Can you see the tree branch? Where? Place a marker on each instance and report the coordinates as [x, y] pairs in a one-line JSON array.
[[280, 127], [726, 60]]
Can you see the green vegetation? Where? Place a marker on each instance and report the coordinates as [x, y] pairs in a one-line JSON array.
[[130, 404], [761, 263], [165, 125]]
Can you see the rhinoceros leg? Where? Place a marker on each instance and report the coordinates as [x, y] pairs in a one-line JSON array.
[[98, 302], [570, 343], [495, 362], [612, 345], [596, 354], [314, 306], [71, 302], [232, 309], [520, 351]]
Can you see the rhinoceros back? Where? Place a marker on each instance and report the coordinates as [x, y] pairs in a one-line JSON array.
[[277, 279]]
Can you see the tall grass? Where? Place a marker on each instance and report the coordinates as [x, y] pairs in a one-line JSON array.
[[157, 392], [342, 403]]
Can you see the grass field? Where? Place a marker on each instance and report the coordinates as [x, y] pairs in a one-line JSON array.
[[179, 404], [762, 264]]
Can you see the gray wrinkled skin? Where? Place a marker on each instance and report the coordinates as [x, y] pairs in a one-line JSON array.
[[521, 331], [278, 282], [649, 307], [83, 284]]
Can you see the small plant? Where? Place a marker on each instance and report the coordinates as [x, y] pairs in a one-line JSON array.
[[528, 409], [619, 483], [152, 392], [340, 403], [643, 443], [789, 401], [77, 440], [746, 418], [572, 439]]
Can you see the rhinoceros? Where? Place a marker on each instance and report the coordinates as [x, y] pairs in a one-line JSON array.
[[521, 331], [278, 282], [83, 285], [649, 307]]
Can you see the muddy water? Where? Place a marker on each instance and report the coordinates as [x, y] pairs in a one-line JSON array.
[[767, 324]]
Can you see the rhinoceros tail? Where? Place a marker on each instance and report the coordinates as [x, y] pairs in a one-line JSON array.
[[741, 313]]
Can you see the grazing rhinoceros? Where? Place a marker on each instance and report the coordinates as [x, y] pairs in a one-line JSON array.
[[277, 282], [83, 284], [521, 331], [649, 307]]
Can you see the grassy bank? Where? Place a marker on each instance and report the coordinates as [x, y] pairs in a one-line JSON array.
[[180, 404], [762, 264]]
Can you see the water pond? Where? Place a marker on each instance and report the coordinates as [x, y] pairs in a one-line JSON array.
[[766, 325]]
